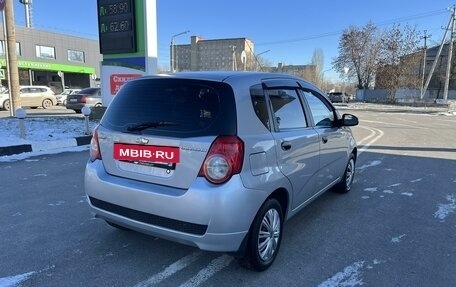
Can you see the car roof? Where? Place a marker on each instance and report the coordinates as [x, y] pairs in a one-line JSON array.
[[223, 75], [34, 87], [228, 76]]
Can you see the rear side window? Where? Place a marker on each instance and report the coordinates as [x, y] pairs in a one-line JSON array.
[[90, 91], [259, 104], [173, 107]]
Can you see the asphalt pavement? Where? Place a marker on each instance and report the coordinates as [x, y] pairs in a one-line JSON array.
[[396, 227]]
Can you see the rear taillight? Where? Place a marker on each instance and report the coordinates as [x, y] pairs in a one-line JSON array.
[[95, 152], [223, 160], [83, 99]]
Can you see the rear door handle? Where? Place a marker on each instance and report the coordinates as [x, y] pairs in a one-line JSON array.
[[286, 145], [324, 139]]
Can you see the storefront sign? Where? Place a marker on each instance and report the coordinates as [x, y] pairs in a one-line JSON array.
[[117, 80]]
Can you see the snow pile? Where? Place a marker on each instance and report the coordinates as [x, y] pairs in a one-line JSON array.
[[42, 130]]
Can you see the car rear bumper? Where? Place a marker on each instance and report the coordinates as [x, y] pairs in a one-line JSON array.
[[74, 106], [211, 217]]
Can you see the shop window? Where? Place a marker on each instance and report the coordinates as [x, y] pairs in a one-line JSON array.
[[3, 48], [45, 52], [18, 48], [76, 56]]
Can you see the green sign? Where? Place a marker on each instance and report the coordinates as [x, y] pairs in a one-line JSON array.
[[51, 67]]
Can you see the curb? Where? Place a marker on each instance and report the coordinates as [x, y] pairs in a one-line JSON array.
[[45, 145]]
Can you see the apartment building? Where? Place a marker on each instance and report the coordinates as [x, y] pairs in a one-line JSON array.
[[232, 54]]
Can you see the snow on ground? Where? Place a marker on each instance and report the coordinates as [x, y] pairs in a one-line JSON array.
[[444, 209], [45, 129], [46, 135], [351, 275]]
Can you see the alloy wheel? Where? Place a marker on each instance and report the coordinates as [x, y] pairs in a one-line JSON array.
[[269, 235]]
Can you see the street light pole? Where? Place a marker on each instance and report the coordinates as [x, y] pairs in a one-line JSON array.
[[257, 61], [346, 69], [10, 41], [322, 84], [173, 65]]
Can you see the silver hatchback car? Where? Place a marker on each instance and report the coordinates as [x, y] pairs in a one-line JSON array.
[[218, 160]]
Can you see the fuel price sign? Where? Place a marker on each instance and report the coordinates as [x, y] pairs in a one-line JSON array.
[[116, 26]]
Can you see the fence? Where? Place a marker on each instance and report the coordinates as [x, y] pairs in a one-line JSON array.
[[402, 96]]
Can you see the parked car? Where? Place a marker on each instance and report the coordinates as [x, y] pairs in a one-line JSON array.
[[4, 100], [90, 97], [218, 160], [62, 97], [338, 97], [31, 96]]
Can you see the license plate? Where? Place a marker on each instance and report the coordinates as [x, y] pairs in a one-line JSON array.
[[146, 153], [73, 100]]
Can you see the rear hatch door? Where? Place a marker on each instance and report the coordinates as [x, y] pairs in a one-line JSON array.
[[160, 130]]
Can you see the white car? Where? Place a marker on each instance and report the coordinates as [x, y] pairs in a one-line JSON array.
[[31, 96]]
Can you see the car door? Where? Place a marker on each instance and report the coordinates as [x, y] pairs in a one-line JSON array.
[[26, 99], [31, 96], [333, 139], [297, 143]]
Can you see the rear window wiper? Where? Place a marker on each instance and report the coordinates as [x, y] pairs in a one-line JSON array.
[[147, 125]]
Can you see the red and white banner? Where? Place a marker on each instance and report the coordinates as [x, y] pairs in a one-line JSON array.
[[117, 80]]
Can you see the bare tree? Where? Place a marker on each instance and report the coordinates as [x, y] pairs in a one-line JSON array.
[[318, 60], [359, 50], [399, 60], [258, 63]]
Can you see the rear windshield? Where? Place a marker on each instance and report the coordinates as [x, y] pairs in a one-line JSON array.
[[173, 107], [89, 91]]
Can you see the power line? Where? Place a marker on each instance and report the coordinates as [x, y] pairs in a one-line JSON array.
[[336, 33]]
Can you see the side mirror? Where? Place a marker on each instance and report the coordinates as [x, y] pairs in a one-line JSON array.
[[349, 120]]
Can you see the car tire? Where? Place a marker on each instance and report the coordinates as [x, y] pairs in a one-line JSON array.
[[6, 105], [78, 111], [346, 182], [46, 104], [117, 226], [265, 236], [64, 103]]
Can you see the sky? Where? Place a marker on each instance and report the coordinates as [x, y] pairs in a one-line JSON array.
[[289, 30]]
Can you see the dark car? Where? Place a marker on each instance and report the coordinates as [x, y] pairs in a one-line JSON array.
[[338, 97], [90, 97]]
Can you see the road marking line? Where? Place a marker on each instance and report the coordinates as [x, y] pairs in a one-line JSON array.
[[394, 124], [379, 133], [170, 270], [372, 134], [16, 280], [12, 281], [215, 266]]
